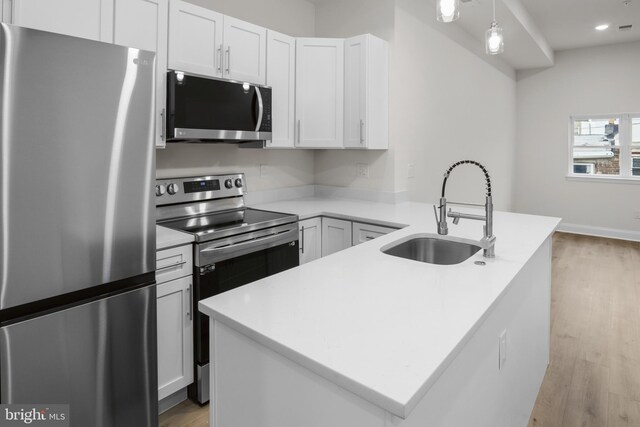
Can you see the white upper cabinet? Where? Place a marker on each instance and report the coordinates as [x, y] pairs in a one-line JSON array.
[[208, 43], [5, 11], [245, 51], [281, 68], [195, 39], [89, 19], [366, 103], [319, 93], [143, 24]]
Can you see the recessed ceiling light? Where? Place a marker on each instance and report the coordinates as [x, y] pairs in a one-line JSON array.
[[602, 27]]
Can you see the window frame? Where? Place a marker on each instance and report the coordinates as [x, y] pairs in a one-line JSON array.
[[625, 138]]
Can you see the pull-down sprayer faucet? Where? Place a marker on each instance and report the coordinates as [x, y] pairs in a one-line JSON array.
[[488, 240]]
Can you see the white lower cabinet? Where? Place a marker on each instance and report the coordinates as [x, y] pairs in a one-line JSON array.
[[175, 336], [365, 232], [310, 239], [336, 235], [174, 268]]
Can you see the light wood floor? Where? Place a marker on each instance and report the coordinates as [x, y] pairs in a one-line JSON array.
[[186, 414], [593, 378]]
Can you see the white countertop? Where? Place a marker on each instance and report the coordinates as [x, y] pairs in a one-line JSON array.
[[380, 326], [167, 238]]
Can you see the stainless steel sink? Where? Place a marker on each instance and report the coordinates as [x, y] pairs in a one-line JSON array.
[[432, 250]]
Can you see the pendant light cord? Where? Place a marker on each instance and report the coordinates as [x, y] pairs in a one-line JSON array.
[[494, 10]]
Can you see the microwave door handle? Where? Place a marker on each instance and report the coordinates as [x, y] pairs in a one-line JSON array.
[[260, 108]]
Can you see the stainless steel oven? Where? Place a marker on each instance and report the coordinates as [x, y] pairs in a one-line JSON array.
[[234, 246]]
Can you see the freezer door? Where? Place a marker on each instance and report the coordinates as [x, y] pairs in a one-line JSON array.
[[76, 164], [100, 358]]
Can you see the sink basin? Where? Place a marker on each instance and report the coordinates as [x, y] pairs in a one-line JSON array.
[[433, 250]]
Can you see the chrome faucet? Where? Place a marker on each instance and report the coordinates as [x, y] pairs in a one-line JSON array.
[[487, 243]]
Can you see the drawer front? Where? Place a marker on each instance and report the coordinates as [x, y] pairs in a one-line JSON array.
[[174, 263], [365, 232]]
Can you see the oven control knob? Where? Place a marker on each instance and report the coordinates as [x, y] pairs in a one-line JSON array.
[[228, 183], [160, 190], [172, 189], [238, 182]]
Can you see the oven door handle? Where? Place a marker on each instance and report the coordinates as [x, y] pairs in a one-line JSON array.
[[219, 252]]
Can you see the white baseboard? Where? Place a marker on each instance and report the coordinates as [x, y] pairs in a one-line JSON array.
[[172, 400], [612, 233]]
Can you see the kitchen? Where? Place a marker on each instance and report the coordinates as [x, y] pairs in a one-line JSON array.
[[447, 101]]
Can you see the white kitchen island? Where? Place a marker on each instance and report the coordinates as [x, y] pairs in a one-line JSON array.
[[364, 339]]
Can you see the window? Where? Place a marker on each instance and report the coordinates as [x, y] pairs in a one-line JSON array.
[[605, 146]]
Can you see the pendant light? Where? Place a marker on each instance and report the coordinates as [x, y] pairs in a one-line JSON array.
[[494, 40], [448, 10]]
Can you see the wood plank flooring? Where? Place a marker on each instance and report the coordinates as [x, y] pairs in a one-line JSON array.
[[186, 414], [593, 378]]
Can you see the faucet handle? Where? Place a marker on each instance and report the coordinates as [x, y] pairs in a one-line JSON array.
[[435, 213]]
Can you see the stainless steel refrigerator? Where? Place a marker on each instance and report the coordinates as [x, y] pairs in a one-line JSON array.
[[77, 229]]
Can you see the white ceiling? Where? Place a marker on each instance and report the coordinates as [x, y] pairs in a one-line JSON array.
[[568, 24], [533, 29]]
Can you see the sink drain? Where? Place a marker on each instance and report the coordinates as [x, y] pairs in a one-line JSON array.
[[480, 263]]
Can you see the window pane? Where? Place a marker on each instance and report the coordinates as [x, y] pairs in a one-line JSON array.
[[635, 146], [596, 146]]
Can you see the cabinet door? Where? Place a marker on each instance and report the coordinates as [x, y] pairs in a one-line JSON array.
[[355, 76], [143, 24], [174, 263], [195, 39], [366, 103], [175, 336], [365, 232], [310, 239], [281, 54], [245, 51], [336, 235], [89, 19], [319, 93], [5, 11]]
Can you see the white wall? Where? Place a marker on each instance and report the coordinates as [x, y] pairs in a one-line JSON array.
[[285, 167], [339, 18], [583, 81], [443, 95]]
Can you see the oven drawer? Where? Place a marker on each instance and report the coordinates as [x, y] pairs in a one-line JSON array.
[[174, 263]]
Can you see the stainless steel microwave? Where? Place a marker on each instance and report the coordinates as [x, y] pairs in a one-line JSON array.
[[205, 109]]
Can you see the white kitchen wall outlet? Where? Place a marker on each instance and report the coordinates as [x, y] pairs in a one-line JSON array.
[[264, 170], [411, 170], [362, 170], [637, 214], [502, 352]]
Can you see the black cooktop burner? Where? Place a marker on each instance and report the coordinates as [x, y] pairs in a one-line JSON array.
[[220, 224]]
